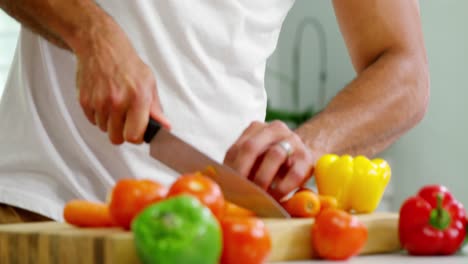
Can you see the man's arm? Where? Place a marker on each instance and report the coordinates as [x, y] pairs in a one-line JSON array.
[[117, 91], [20, 15], [68, 24], [391, 92], [388, 97]]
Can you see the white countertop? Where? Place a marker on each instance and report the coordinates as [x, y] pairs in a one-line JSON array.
[[460, 258]]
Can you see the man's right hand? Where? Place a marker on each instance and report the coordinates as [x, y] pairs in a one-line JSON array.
[[117, 90]]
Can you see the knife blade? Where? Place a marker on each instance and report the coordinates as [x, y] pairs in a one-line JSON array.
[[184, 158]]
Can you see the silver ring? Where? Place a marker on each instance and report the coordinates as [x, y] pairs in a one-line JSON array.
[[286, 146]]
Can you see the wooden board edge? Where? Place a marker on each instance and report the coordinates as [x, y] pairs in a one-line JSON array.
[[382, 229]]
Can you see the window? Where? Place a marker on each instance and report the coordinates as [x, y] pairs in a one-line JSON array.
[[9, 30]]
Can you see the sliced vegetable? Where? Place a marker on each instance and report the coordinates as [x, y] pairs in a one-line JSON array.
[[234, 210], [327, 202], [303, 204]]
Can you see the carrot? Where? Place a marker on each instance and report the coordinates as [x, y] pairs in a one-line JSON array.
[[231, 209], [83, 213], [303, 204]]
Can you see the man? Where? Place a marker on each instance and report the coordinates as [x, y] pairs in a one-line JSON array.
[[198, 68]]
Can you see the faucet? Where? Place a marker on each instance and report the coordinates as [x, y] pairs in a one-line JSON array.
[[297, 117]]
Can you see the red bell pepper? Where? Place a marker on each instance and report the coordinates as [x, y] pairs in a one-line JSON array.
[[432, 222], [466, 228]]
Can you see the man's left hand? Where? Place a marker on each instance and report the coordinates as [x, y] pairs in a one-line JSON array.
[[272, 156]]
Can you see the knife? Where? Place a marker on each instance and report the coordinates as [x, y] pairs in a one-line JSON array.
[[184, 158]]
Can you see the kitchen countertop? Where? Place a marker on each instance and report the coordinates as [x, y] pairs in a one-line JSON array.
[[460, 258]]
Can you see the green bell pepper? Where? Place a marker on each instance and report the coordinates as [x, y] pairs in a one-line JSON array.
[[177, 230]]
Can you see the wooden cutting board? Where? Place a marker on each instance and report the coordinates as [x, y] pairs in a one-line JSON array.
[[58, 243]]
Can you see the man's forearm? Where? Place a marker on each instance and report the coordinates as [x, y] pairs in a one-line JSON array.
[[382, 103], [67, 24], [17, 12]]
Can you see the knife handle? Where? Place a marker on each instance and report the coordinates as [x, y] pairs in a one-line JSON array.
[[151, 130]]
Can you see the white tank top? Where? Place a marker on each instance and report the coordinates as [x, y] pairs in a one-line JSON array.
[[208, 57]]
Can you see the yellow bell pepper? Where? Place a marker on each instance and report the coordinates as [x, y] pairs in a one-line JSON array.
[[357, 183]]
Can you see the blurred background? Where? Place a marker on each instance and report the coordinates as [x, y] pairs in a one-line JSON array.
[[311, 65]]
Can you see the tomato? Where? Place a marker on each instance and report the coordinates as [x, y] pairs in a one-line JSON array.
[[246, 240], [327, 202], [130, 196], [205, 189], [87, 214], [337, 235], [303, 204]]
